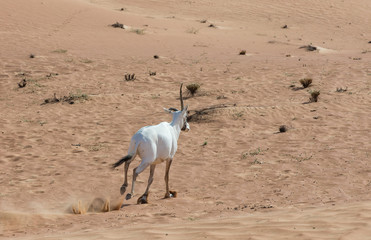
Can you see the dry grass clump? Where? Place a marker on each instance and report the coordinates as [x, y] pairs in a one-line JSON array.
[[79, 96], [314, 96], [193, 88], [118, 25], [130, 77], [305, 82], [242, 52]]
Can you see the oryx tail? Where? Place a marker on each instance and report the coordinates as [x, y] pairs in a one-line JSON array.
[[131, 155]]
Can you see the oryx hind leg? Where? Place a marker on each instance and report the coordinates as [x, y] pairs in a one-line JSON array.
[[136, 171], [125, 184], [168, 194], [144, 198]]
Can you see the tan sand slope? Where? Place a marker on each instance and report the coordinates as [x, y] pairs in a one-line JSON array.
[[235, 174]]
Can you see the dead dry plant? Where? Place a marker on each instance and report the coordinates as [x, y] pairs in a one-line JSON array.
[[130, 77], [314, 96], [305, 82], [193, 88]]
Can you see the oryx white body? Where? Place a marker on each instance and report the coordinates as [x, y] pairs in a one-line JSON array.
[[158, 143], [154, 144]]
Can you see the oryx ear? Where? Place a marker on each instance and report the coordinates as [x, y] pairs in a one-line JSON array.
[[167, 110]]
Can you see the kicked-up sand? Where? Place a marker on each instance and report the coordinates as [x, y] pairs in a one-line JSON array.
[[67, 113]]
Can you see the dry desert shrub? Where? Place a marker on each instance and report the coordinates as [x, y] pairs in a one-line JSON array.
[[242, 52], [78, 96], [283, 128], [305, 82], [118, 25], [130, 77], [314, 96], [193, 88]]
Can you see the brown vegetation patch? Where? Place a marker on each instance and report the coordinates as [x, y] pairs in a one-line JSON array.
[[118, 25], [305, 82], [69, 99], [314, 96], [130, 77], [193, 88]]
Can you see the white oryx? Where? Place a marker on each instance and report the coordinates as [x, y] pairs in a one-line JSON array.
[[155, 144]]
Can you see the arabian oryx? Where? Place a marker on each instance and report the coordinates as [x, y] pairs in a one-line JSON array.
[[155, 144]]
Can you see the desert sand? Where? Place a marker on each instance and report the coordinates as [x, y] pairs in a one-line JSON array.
[[236, 175]]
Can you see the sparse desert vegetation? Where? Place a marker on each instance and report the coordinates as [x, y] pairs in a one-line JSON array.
[[306, 82], [258, 142], [314, 95], [71, 98], [118, 25], [193, 88], [242, 52], [130, 77]]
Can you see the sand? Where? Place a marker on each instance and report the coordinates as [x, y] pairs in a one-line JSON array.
[[236, 175]]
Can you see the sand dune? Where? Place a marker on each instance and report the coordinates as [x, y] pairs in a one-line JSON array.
[[235, 174]]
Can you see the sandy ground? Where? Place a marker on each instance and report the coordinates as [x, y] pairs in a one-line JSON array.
[[236, 176]]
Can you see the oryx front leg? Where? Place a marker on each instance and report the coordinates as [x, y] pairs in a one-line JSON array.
[[144, 198], [136, 171], [168, 194]]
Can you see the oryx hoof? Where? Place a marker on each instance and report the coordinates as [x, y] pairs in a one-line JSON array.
[[128, 196], [171, 194], [123, 189], [142, 200]]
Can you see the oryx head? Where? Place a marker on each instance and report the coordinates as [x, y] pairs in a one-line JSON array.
[[180, 116]]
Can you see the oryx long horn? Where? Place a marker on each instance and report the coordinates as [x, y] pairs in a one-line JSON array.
[[181, 97]]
